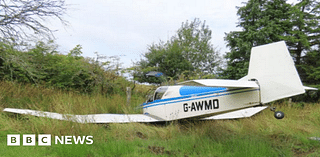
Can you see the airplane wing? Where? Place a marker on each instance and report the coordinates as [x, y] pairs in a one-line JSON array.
[[221, 83], [91, 118], [127, 118], [244, 113]]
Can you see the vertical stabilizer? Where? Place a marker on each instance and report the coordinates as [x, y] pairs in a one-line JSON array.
[[275, 71]]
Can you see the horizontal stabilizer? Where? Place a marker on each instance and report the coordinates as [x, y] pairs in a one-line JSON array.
[[91, 118], [309, 88], [248, 112], [220, 83]]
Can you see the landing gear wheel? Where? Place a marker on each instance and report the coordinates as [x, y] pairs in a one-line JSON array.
[[278, 114]]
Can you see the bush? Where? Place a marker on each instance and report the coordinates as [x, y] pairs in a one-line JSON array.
[[43, 65]]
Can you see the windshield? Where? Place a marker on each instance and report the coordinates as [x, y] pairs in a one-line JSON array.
[[159, 92]]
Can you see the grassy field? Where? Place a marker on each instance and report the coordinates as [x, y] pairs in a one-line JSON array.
[[261, 135]]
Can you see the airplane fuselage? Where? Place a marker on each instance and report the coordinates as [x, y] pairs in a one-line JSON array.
[[206, 101]]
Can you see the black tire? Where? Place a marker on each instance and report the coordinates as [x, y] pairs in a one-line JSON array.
[[278, 114]]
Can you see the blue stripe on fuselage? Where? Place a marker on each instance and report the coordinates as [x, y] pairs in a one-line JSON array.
[[188, 90]]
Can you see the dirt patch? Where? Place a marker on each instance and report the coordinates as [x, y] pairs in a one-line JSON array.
[[158, 150], [299, 151], [141, 135]]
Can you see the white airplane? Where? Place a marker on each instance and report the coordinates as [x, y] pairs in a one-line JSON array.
[[272, 76]]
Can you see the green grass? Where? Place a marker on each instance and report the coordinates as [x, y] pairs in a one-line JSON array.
[[261, 135]]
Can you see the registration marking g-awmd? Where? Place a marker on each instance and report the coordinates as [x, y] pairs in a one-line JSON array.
[[201, 105]]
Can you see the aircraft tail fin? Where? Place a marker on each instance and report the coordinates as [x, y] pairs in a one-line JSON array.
[[273, 67]]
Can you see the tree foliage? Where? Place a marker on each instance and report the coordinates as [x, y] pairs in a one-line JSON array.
[[303, 39], [188, 53], [262, 22], [21, 18], [266, 21]]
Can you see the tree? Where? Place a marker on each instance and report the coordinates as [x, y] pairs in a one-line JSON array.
[[194, 40], [240, 42], [163, 57], [190, 52], [262, 22], [303, 38], [266, 21], [19, 17]]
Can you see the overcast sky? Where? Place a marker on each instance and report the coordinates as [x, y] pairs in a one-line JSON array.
[[126, 27]]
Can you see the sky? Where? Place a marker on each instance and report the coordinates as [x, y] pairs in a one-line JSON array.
[[125, 28]]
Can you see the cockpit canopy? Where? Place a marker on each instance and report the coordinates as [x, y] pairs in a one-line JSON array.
[[160, 92], [166, 92]]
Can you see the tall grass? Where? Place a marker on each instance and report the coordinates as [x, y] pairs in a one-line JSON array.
[[261, 135], [16, 95]]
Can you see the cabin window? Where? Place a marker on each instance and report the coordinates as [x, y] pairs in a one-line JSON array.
[[160, 92], [150, 99]]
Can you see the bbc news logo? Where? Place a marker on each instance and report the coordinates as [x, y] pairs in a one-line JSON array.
[[45, 140]]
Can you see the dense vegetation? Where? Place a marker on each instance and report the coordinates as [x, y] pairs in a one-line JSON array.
[[42, 65]]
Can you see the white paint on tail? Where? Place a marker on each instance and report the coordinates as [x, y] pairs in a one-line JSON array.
[[275, 71]]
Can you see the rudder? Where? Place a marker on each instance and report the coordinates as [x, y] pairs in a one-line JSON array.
[[272, 66]]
